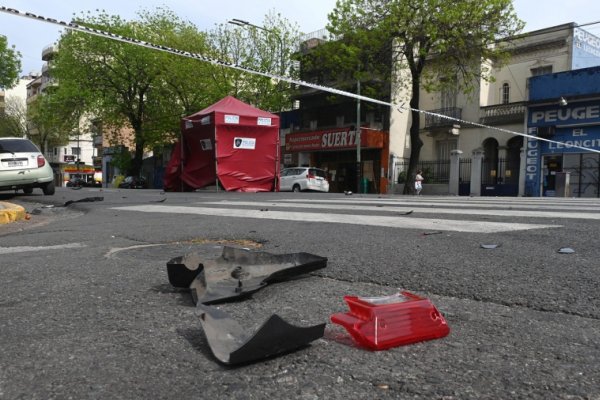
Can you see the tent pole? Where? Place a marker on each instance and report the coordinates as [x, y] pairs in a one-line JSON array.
[[277, 157], [181, 163], [216, 154]]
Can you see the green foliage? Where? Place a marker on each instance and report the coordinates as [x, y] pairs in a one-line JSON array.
[[13, 117], [10, 126], [148, 91], [128, 86], [435, 44], [268, 50], [10, 64], [122, 160], [51, 118]]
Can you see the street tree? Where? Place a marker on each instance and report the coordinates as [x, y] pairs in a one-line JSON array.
[[132, 87], [13, 117], [10, 64], [50, 120], [267, 48], [434, 44]]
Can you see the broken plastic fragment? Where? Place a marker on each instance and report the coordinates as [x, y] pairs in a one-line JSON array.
[[182, 270], [232, 344], [379, 323], [566, 250], [238, 272]]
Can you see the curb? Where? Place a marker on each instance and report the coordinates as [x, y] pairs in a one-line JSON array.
[[11, 212]]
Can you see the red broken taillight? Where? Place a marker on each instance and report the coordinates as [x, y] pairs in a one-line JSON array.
[[380, 323], [41, 161]]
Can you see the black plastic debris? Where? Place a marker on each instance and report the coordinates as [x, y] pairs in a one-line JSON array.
[[231, 344], [566, 250], [84, 200], [489, 246], [406, 212], [182, 270], [431, 233], [237, 273]]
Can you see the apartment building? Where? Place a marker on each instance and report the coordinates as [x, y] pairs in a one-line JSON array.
[[77, 154], [502, 105], [484, 128]]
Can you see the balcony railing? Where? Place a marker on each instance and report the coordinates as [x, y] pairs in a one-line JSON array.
[[503, 113], [48, 52], [437, 121]]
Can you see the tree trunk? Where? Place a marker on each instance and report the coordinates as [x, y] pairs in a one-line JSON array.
[[415, 140], [138, 157]]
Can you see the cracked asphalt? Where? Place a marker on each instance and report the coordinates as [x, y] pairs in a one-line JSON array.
[[87, 312]]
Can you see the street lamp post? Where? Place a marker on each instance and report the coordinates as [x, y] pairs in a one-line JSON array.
[[246, 24]]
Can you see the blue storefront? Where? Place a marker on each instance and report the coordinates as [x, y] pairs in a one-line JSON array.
[[564, 108]]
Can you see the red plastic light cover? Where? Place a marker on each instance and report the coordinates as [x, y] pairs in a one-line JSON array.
[[380, 323]]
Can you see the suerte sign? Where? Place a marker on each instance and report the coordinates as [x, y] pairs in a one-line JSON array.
[[326, 140]]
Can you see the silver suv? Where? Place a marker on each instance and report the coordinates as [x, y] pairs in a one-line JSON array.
[[298, 179], [22, 166]]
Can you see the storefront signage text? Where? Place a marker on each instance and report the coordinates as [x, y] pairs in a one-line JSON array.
[[567, 144], [326, 140], [338, 139], [533, 153], [578, 114]]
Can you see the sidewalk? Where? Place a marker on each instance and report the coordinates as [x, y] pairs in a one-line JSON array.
[[10, 212]]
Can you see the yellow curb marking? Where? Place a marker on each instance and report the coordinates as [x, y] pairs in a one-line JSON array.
[[11, 212]]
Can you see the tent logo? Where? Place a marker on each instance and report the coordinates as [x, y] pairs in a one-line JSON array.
[[206, 144], [244, 143]]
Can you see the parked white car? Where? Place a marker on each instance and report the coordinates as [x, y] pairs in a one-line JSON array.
[[298, 179], [23, 166]]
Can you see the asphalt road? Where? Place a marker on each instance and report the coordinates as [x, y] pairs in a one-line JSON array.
[[87, 311]]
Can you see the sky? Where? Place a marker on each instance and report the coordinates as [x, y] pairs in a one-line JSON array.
[[30, 36]]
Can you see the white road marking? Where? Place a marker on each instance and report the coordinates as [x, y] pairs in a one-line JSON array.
[[115, 250], [506, 203], [353, 219], [24, 249], [386, 207]]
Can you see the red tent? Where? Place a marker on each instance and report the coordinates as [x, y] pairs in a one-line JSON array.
[[231, 141]]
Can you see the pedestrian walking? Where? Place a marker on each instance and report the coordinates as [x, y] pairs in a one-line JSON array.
[[419, 182]]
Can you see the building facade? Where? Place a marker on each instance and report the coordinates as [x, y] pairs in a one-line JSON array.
[[565, 108], [75, 157], [322, 131], [501, 105]]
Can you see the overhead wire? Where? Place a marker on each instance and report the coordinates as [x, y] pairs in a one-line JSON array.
[[108, 35]]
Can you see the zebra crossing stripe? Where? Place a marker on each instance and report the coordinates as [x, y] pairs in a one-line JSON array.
[[386, 207], [352, 219]]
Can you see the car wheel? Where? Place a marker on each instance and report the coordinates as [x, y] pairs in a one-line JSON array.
[[28, 190], [48, 189], [296, 188]]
